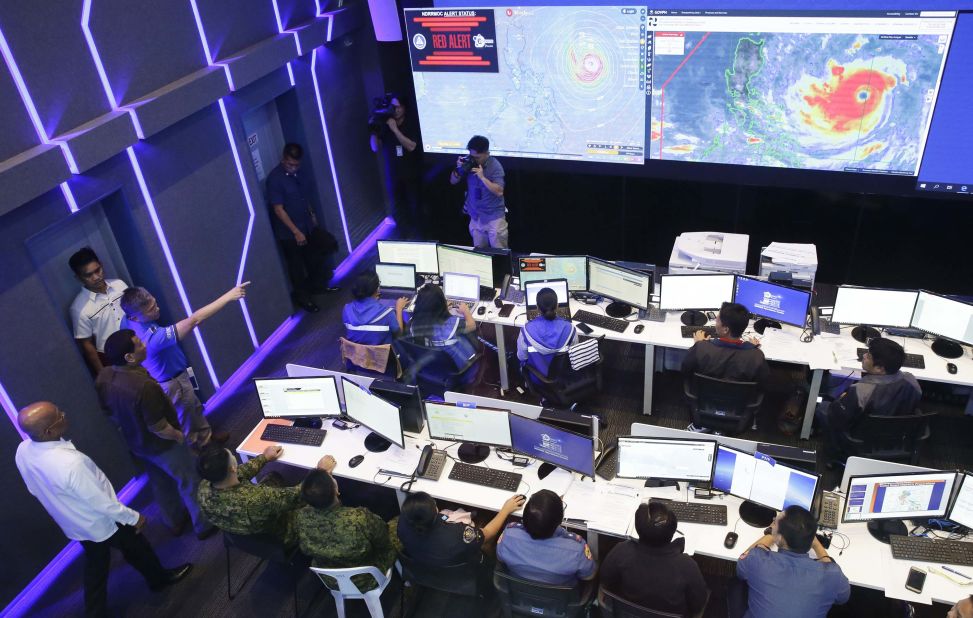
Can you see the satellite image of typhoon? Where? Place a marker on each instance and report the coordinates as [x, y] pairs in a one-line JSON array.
[[807, 101]]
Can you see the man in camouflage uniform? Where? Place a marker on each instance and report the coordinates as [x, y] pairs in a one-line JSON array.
[[236, 505], [338, 536]]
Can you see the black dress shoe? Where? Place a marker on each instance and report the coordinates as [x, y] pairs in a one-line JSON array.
[[308, 306], [172, 576]]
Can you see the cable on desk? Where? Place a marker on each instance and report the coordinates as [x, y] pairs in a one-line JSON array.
[[845, 541]]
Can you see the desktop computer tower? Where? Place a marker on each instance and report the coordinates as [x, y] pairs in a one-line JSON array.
[[404, 396]]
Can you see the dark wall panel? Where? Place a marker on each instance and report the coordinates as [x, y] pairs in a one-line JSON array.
[[15, 126], [293, 13], [233, 25]]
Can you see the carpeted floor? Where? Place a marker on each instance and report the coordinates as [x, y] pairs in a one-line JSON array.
[[313, 342]]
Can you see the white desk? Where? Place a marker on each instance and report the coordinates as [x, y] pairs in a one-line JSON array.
[[866, 562], [824, 353]]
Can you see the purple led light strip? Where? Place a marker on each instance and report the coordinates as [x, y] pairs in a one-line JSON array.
[[327, 143], [246, 239], [35, 119], [209, 55]]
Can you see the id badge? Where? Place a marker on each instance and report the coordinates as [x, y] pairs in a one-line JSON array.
[[398, 150], [192, 378]]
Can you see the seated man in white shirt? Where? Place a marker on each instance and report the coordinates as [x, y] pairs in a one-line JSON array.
[[76, 493], [96, 312]]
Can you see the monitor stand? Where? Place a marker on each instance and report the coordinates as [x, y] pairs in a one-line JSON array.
[[314, 422], [661, 483], [757, 515], [545, 469], [473, 453], [618, 310], [881, 529], [946, 348], [763, 324], [693, 318], [375, 443], [864, 333]]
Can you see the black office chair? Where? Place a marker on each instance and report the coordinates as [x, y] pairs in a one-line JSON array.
[[563, 387], [614, 606], [464, 580], [725, 406], [889, 438], [521, 597], [432, 368], [269, 549]]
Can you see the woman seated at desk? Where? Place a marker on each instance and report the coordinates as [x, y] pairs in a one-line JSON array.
[[432, 325], [367, 321], [546, 335]]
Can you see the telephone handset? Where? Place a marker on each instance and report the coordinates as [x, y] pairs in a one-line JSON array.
[[815, 321], [431, 463]]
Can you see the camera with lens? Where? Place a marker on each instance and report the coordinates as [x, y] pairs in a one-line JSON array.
[[465, 165], [382, 109]]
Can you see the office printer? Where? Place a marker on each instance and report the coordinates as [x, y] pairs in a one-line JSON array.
[[700, 252]]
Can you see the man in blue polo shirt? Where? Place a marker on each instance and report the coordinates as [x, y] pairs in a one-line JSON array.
[[368, 321], [484, 194], [728, 357], [165, 360], [788, 582]]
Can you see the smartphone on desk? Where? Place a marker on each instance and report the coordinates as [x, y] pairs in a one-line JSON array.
[[584, 328], [916, 580]]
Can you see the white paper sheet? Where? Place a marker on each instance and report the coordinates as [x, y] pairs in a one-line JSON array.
[[896, 572], [605, 507]]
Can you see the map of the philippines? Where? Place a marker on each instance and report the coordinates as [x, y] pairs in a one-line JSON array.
[[809, 101]]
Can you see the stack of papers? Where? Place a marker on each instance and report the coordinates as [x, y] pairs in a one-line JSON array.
[[605, 507]]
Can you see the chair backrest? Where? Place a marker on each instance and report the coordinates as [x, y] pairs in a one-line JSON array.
[[521, 597], [727, 396], [343, 578], [370, 357], [266, 546], [613, 606], [418, 359], [462, 579], [892, 433], [897, 398]]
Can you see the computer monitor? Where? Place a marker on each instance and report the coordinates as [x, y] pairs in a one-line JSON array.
[[573, 268], [560, 287], [477, 428], [950, 320], [767, 485], [523, 409], [868, 307], [298, 398], [422, 255], [553, 446], [694, 294], [502, 263], [628, 288], [372, 411], [961, 511], [454, 260], [665, 459], [396, 276], [884, 500], [773, 303], [457, 286]]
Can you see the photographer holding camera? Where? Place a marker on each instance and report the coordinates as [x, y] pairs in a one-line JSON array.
[[389, 126], [484, 194]]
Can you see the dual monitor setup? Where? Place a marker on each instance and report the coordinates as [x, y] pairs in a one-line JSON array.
[[389, 415], [765, 485], [886, 500]]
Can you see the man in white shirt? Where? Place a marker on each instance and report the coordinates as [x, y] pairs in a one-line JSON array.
[[78, 495], [96, 311]]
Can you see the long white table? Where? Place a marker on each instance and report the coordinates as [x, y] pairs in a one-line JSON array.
[[866, 562], [823, 353]]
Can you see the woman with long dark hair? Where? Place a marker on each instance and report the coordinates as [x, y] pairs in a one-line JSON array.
[[434, 326]]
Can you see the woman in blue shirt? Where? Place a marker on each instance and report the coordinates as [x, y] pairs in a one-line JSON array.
[[368, 321], [546, 335], [434, 326]]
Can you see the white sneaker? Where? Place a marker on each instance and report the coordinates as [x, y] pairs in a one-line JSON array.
[[696, 429]]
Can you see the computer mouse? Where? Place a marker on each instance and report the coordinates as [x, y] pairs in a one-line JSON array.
[[639, 328], [354, 461], [731, 540], [481, 311], [950, 367]]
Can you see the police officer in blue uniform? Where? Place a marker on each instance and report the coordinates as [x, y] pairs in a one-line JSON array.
[[540, 550], [368, 321], [546, 335]]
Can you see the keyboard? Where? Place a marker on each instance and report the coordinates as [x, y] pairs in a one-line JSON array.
[[562, 312], [601, 321], [487, 477], [456, 303], [931, 550], [654, 314], [696, 513], [827, 326], [687, 331], [912, 361], [487, 293], [305, 436]]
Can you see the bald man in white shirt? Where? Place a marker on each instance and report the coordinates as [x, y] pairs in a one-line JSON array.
[[78, 495]]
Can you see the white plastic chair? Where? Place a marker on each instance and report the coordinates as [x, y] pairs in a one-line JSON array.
[[348, 590]]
